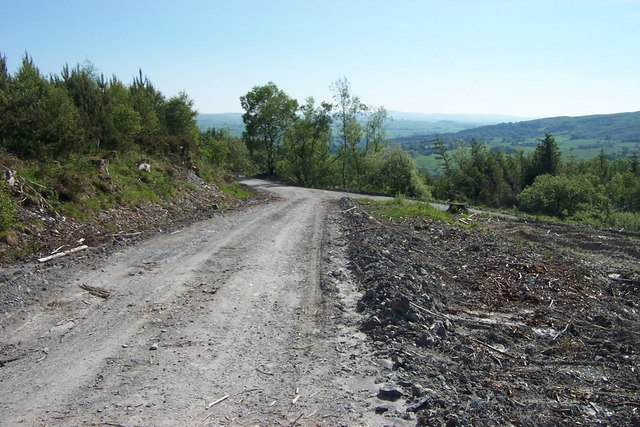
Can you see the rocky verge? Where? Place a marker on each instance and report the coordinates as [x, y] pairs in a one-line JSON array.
[[44, 231], [504, 323]]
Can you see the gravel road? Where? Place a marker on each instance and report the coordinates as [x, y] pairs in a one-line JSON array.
[[243, 319]]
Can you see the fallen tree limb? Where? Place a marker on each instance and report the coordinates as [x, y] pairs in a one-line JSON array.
[[98, 292], [61, 254]]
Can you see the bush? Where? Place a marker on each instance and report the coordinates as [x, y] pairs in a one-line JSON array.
[[565, 196], [626, 220], [392, 171], [7, 211]]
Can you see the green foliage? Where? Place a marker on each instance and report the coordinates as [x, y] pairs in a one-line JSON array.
[[624, 191], [79, 111], [140, 187], [545, 159], [307, 155], [236, 190], [392, 171], [7, 210], [269, 112], [400, 208], [225, 153], [347, 110], [476, 174], [374, 129], [565, 196], [38, 117], [625, 220]]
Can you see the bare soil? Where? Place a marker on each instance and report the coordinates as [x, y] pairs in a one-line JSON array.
[[300, 309]]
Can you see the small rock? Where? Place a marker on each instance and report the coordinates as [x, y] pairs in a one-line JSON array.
[[441, 329], [417, 390], [371, 323], [381, 409], [412, 316], [401, 305], [422, 404], [390, 392], [405, 384], [475, 405], [426, 340], [154, 346], [453, 422]]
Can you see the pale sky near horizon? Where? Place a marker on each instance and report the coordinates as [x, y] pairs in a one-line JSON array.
[[526, 58]]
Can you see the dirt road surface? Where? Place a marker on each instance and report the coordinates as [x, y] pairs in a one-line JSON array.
[[224, 322]]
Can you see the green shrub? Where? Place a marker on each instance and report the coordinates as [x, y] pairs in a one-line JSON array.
[[392, 171], [626, 220], [7, 211], [565, 196]]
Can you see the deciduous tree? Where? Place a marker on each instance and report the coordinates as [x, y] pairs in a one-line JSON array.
[[307, 145], [269, 112], [347, 109]]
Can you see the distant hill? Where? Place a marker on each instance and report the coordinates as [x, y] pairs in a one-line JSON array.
[[477, 119], [230, 121], [401, 124], [583, 137]]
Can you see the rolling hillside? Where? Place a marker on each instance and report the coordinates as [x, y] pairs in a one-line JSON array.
[[581, 137], [400, 125]]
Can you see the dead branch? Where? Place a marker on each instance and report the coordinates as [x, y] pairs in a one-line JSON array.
[[373, 227], [561, 332], [248, 391], [296, 420], [55, 251], [433, 313], [264, 372], [121, 234], [490, 347], [98, 292], [215, 402], [310, 415], [61, 254]]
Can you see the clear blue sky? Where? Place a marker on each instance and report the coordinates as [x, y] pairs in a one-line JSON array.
[[528, 58]]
